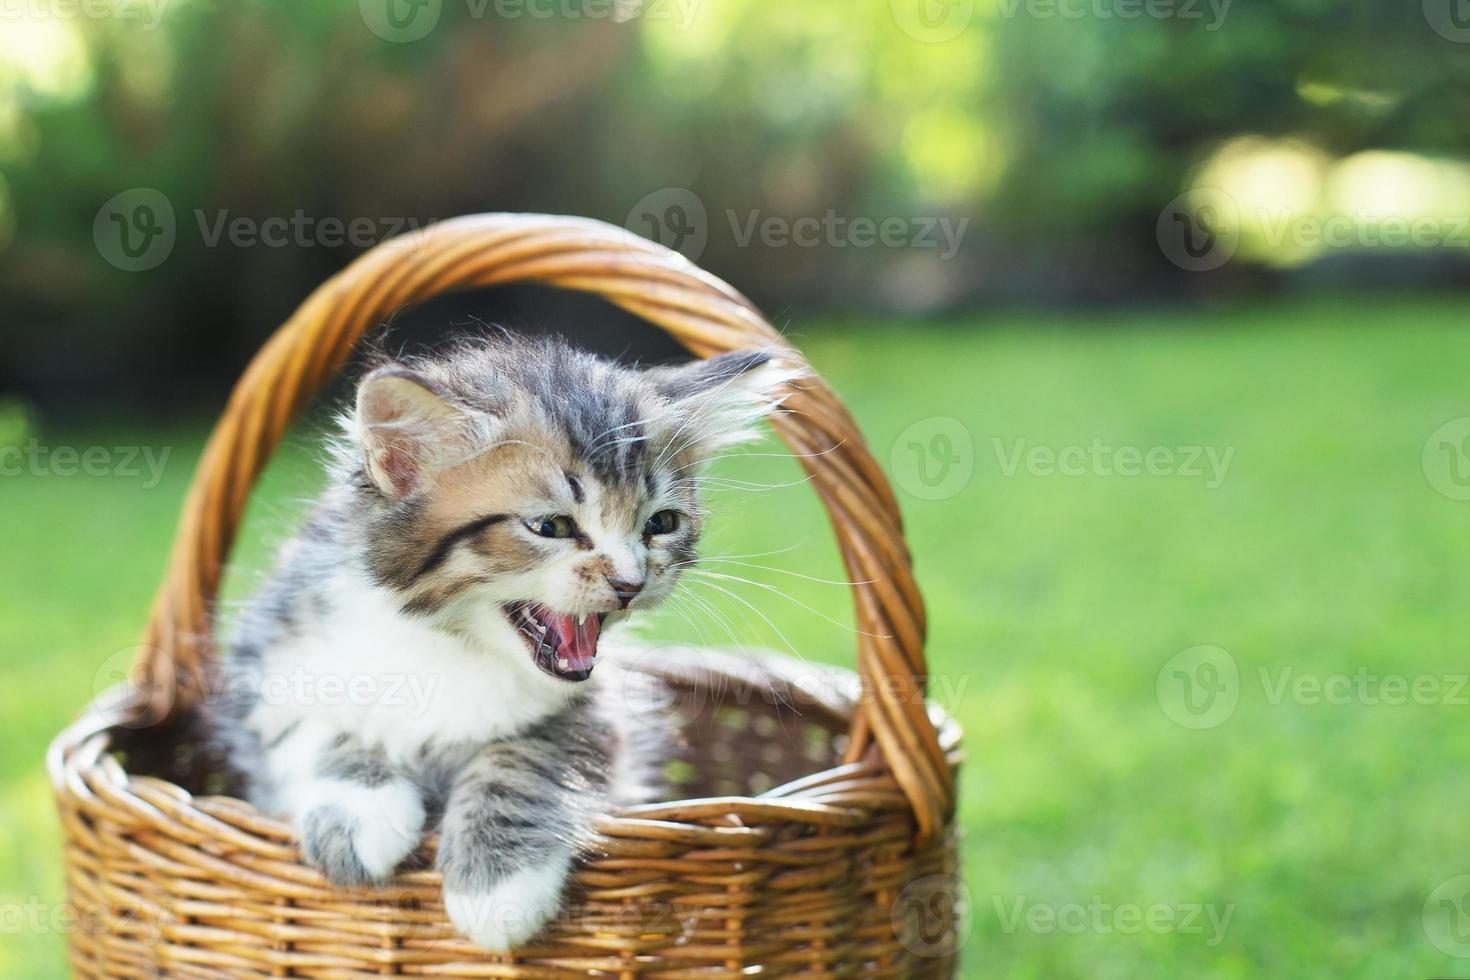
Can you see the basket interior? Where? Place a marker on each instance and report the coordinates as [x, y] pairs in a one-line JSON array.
[[742, 724]]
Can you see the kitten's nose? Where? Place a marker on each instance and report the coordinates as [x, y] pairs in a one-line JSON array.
[[625, 591]]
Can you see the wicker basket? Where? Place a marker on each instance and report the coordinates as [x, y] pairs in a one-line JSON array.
[[817, 836]]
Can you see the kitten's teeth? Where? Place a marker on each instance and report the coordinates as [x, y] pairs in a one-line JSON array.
[[582, 619]]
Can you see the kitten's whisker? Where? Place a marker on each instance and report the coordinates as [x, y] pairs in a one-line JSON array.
[[614, 428], [708, 613], [712, 459], [744, 640], [717, 616], [789, 598], [623, 441], [677, 604], [742, 600], [755, 554], [786, 571], [598, 443], [708, 483]]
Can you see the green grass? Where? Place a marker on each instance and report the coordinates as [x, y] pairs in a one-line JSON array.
[[1056, 600]]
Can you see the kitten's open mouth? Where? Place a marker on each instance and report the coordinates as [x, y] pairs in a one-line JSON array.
[[563, 645]]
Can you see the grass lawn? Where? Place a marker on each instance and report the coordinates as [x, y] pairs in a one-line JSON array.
[[1299, 835]]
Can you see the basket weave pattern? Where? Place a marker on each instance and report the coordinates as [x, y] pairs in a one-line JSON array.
[[814, 815]]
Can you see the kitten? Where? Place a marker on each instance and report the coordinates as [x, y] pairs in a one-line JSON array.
[[424, 653]]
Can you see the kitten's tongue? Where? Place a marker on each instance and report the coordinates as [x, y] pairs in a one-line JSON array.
[[578, 647]]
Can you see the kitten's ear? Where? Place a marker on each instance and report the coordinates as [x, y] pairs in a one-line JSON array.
[[725, 395], [408, 428]]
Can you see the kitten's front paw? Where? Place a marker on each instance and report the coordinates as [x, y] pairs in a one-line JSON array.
[[362, 836], [511, 911]]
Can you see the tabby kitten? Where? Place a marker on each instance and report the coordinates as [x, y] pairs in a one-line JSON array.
[[423, 654]]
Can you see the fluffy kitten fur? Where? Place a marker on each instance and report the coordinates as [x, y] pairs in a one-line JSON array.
[[383, 681]]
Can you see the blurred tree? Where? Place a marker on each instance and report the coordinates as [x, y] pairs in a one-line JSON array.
[[1051, 131]]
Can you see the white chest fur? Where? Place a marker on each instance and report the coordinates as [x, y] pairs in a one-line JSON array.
[[397, 683]]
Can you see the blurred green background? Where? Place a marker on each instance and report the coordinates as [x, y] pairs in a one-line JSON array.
[[1152, 309]]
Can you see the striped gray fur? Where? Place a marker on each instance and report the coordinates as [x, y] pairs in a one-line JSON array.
[[408, 570], [520, 797]]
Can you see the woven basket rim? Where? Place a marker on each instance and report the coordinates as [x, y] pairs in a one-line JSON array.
[[79, 762]]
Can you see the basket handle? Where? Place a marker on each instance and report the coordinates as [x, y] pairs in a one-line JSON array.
[[703, 313]]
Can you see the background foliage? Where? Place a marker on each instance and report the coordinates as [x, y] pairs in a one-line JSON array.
[[1062, 142], [1056, 130]]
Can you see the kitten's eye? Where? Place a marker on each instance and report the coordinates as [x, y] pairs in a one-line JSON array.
[[664, 522], [559, 526]]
